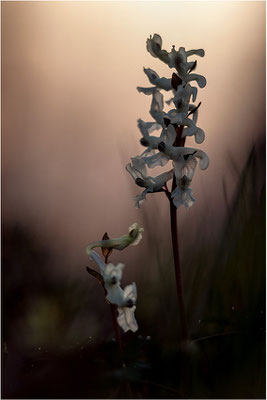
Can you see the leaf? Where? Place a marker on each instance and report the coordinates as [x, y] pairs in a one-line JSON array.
[[193, 67], [95, 275], [194, 109], [176, 81], [106, 251]]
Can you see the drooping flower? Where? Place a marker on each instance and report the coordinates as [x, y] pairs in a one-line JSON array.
[[131, 239], [111, 277], [125, 299]]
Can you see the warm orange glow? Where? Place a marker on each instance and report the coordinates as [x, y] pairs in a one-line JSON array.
[[70, 105]]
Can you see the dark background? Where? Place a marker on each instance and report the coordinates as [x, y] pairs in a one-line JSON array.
[[69, 111]]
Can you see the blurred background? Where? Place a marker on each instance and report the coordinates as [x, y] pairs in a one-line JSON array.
[[69, 112]]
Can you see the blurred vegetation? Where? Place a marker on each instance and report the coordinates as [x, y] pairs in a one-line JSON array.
[[57, 335]]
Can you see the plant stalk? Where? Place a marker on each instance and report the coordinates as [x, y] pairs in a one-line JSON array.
[[175, 245]]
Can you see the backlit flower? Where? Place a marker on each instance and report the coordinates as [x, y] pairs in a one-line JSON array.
[[154, 45], [126, 309], [151, 184]]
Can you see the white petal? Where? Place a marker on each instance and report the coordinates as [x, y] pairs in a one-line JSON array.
[[157, 102], [163, 83], [113, 271], [147, 91], [194, 93], [175, 152], [130, 292], [133, 172], [151, 74], [114, 294], [182, 197], [199, 52], [161, 179], [203, 159], [157, 39], [139, 165], [169, 135], [147, 127], [176, 58], [96, 258], [184, 167], [201, 80], [154, 44], [126, 319], [199, 136], [158, 159]]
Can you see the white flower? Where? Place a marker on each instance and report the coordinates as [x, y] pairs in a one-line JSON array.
[[174, 154], [113, 273], [151, 184], [167, 135], [124, 299], [126, 309], [131, 239], [112, 276], [182, 197], [157, 104], [178, 60], [184, 168], [174, 116], [154, 45], [161, 83], [182, 97]]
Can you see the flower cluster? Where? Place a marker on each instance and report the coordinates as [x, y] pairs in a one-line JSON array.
[[175, 125], [124, 299]]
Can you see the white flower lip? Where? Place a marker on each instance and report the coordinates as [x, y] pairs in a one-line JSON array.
[[126, 318], [152, 184]]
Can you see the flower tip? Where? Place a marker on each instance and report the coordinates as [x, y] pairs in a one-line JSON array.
[[202, 82], [88, 250], [135, 233]]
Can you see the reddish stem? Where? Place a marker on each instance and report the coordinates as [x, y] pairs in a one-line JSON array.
[[175, 244]]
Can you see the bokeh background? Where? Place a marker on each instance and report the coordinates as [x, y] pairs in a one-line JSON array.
[[69, 112]]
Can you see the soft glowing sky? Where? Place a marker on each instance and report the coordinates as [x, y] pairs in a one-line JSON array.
[[70, 106]]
